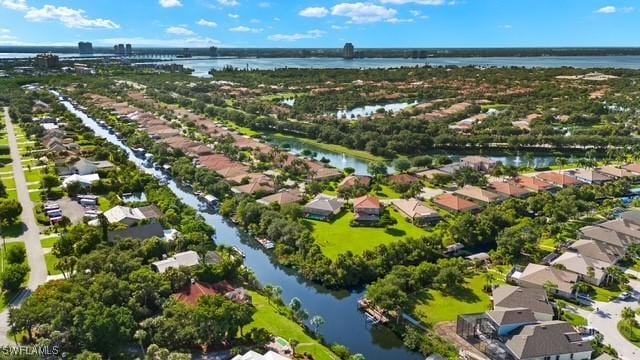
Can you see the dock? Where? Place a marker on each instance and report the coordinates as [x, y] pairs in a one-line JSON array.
[[266, 243], [374, 315]]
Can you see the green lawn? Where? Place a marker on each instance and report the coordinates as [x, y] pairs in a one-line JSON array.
[[269, 317], [387, 193], [433, 306], [8, 181], [34, 175], [51, 264], [364, 155], [337, 237], [574, 319], [630, 333], [48, 241], [605, 294], [104, 204], [548, 244]]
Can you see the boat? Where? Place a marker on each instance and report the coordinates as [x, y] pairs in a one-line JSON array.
[[374, 315], [238, 251], [266, 243]]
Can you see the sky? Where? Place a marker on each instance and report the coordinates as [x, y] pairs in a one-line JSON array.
[[322, 23]]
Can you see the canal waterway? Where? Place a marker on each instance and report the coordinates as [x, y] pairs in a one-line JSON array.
[[343, 322]]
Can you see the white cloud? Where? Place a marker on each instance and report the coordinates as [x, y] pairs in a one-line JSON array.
[[264, 4], [398, 21], [234, 16], [612, 10], [71, 18], [179, 30], [242, 28], [419, 2], [505, 26], [18, 5], [228, 2], [363, 13], [314, 11], [207, 23], [339, 27], [311, 34], [170, 3], [4, 31]]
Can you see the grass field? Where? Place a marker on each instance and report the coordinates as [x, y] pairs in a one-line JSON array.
[[434, 306], [574, 319], [51, 264], [337, 237], [48, 241], [329, 147], [269, 317], [605, 294], [5, 297]]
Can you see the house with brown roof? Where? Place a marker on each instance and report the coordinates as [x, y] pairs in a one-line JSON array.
[[197, 289], [533, 184], [355, 180], [261, 186], [583, 266], [282, 198], [429, 174], [510, 189], [536, 276], [512, 297], [634, 168], [589, 176], [612, 237], [617, 172], [416, 211], [323, 207], [562, 180], [367, 208], [402, 179], [477, 193], [454, 203], [479, 163], [598, 250]]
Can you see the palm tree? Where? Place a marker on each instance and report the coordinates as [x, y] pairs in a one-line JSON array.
[[628, 315], [317, 321], [550, 288], [580, 287], [140, 335], [561, 161], [489, 278]]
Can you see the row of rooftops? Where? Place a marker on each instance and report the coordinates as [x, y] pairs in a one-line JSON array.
[[236, 173]]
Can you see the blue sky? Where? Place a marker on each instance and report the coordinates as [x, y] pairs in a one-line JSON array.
[[322, 23]]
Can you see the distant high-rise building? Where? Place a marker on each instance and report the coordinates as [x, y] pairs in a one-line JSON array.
[[213, 51], [120, 49], [47, 61], [349, 51], [115, 49], [128, 50], [85, 48]]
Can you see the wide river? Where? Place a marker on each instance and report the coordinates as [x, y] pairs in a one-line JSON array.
[[343, 322]]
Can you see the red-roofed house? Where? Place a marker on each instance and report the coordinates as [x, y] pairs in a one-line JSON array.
[[451, 202], [511, 189], [562, 180], [367, 209], [196, 290], [533, 184]]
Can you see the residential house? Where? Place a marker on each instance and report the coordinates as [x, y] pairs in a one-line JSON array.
[[454, 203], [533, 184], [264, 185], [477, 193], [416, 211], [634, 168], [197, 289], [589, 176], [511, 189], [84, 180], [86, 167], [608, 236], [479, 163], [632, 216], [623, 226], [355, 180], [184, 259], [429, 174], [129, 216], [507, 320], [549, 340], [513, 297], [402, 179], [140, 232], [598, 250], [583, 265], [282, 198], [617, 172], [562, 180], [323, 207], [536, 276], [367, 209]]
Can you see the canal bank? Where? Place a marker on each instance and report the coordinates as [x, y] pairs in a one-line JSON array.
[[344, 324]]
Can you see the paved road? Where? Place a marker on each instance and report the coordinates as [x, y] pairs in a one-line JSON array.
[[606, 319], [31, 235]]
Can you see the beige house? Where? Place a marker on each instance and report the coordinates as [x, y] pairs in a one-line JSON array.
[[416, 211]]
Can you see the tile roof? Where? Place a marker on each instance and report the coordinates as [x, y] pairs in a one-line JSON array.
[[366, 202], [510, 297], [352, 180], [509, 188], [580, 264], [532, 183], [512, 316], [548, 338], [478, 193], [598, 250], [414, 208], [455, 203], [283, 197], [558, 179], [196, 290], [616, 171], [539, 274]]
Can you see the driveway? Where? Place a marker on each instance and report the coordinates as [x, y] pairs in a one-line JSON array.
[[606, 319], [30, 237]]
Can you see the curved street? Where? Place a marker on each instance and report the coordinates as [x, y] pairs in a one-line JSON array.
[[30, 236]]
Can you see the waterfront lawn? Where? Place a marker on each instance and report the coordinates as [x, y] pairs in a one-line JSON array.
[[268, 316], [363, 155], [337, 237], [433, 306]]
